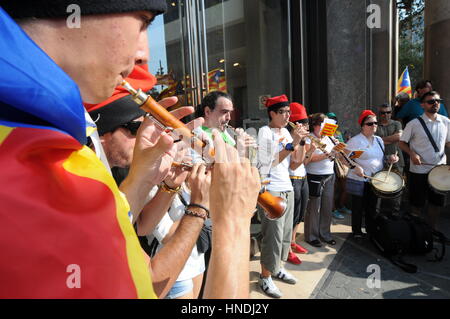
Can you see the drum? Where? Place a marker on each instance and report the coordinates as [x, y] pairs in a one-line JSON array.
[[387, 186], [439, 181]]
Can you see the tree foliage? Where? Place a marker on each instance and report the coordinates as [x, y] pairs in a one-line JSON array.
[[411, 42]]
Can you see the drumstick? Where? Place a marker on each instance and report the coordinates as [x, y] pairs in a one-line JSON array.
[[375, 179], [390, 167]]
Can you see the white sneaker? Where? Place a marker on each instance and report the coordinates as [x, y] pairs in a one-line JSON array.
[[269, 287], [286, 277]]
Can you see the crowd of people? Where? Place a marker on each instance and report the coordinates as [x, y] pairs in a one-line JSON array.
[[176, 222]]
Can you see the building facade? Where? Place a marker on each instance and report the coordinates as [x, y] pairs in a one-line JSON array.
[[330, 55]]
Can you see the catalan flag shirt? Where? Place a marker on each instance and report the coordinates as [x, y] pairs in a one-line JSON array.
[[65, 231]]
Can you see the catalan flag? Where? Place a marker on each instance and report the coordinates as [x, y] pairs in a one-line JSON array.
[[217, 81], [65, 230], [329, 129], [404, 83]]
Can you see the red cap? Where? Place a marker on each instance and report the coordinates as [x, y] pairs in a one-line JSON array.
[[276, 101], [365, 114], [140, 78], [298, 112]]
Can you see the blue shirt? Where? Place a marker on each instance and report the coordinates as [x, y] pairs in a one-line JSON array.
[[413, 109]]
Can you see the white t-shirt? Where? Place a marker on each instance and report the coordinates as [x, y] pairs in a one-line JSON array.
[[270, 143], [195, 265], [299, 172], [323, 167], [415, 135], [371, 160]]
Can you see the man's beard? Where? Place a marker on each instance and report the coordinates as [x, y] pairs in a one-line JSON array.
[[433, 110]]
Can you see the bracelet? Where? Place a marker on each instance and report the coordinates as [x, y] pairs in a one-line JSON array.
[[166, 188], [200, 206], [196, 214]]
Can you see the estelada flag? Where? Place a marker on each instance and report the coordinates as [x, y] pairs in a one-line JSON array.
[[355, 154], [65, 230], [217, 81], [404, 83]]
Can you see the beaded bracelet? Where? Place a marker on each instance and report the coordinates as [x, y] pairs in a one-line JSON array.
[[200, 206], [166, 188], [196, 214]]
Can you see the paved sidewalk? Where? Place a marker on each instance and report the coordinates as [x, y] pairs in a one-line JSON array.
[[341, 271]]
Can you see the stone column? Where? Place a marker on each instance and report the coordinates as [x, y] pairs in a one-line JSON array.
[[437, 46], [347, 61], [381, 51], [359, 59], [437, 49]]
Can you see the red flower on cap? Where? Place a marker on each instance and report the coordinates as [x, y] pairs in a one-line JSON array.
[[281, 100], [140, 78], [298, 112], [365, 114]]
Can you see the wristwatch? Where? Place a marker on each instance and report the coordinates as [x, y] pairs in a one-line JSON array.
[[289, 147]]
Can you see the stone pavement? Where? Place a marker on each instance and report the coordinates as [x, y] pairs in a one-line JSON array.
[[340, 272]]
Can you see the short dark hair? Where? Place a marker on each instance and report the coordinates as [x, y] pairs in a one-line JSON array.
[[431, 93], [422, 84], [402, 97], [210, 100], [316, 119]]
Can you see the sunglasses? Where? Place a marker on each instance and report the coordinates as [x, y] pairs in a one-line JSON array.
[[387, 112], [371, 123], [132, 126], [434, 101], [284, 112]]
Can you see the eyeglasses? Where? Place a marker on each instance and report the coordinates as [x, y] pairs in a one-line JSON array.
[[284, 112], [371, 123], [434, 101], [387, 112], [132, 126]]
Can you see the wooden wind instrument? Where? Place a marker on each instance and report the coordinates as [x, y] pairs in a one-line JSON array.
[[149, 105]]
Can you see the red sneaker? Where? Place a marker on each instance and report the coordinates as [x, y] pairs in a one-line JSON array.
[[298, 249], [292, 258]]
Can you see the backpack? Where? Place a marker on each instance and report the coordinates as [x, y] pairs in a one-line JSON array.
[[397, 236]]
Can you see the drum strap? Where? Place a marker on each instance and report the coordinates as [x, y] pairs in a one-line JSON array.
[[430, 137], [382, 148]]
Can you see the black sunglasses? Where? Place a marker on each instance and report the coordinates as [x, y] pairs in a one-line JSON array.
[[132, 126], [433, 101], [371, 123], [387, 112]]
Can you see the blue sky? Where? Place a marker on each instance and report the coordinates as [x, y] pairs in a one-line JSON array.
[[157, 44]]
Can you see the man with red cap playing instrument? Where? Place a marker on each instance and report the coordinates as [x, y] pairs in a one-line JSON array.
[[62, 196], [275, 145], [297, 173]]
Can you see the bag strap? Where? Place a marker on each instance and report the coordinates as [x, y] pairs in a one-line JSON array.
[[433, 143], [441, 238], [382, 148]]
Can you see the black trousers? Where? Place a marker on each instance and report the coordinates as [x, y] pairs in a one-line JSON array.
[[363, 206], [301, 196]]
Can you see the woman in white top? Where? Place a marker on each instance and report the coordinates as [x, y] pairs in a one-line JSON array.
[[364, 200], [320, 171]]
